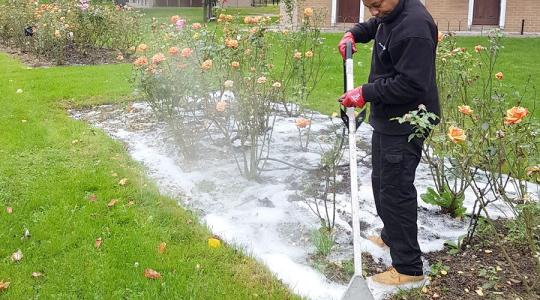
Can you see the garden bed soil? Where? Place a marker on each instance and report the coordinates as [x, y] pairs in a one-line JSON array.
[[96, 56], [478, 272]]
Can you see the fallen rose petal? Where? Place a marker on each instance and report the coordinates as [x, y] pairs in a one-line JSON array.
[[123, 181], [98, 242], [3, 285], [112, 203], [162, 247], [92, 198], [214, 243], [152, 274], [37, 274], [17, 256], [9, 210]]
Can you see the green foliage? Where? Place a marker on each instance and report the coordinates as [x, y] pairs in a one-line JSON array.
[[528, 219], [439, 268], [421, 120], [323, 240], [449, 203], [491, 276]]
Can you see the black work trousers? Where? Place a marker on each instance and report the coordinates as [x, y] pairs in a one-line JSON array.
[[394, 162]]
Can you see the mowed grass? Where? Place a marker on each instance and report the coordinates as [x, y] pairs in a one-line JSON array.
[[50, 166]]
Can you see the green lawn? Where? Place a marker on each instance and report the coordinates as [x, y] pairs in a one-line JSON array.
[[50, 166]]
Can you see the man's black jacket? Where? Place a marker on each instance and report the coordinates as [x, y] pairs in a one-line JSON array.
[[403, 65]]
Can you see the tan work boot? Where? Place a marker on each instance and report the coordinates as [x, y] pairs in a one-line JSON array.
[[393, 277], [377, 241]]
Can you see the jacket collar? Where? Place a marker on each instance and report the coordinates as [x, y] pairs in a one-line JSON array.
[[392, 16]]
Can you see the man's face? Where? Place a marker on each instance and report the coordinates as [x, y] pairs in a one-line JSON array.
[[380, 8]]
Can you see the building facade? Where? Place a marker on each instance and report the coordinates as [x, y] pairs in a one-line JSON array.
[[513, 16]]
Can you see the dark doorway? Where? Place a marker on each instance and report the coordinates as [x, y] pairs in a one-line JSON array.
[[348, 11], [486, 12]]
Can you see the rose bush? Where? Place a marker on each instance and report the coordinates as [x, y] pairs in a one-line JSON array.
[[52, 29]]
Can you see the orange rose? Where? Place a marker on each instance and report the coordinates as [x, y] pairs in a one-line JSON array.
[[515, 115], [465, 109], [499, 76], [196, 26], [456, 135], [302, 122], [207, 64], [174, 19]]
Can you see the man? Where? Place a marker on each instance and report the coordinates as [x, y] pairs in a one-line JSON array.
[[402, 77]]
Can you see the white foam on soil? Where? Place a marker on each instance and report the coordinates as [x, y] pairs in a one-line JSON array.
[[268, 219]]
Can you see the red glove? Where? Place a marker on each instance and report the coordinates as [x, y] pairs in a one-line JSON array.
[[353, 98], [342, 46]]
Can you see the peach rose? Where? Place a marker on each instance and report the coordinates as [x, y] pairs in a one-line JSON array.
[[276, 84], [309, 54], [456, 135], [231, 43], [261, 80], [302, 122], [196, 26], [173, 51], [235, 65], [465, 109], [141, 61], [499, 76], [207, 64], [221, 106], [228, 83], [308, 12], [297, 55], [186, 52], [142, 48], [158, 58], [515, 115]]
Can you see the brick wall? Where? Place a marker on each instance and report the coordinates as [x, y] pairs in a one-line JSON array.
[[517, 10], [450, 15]]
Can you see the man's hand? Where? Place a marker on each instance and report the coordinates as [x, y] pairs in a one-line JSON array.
[[342, 46], [353, 98]]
